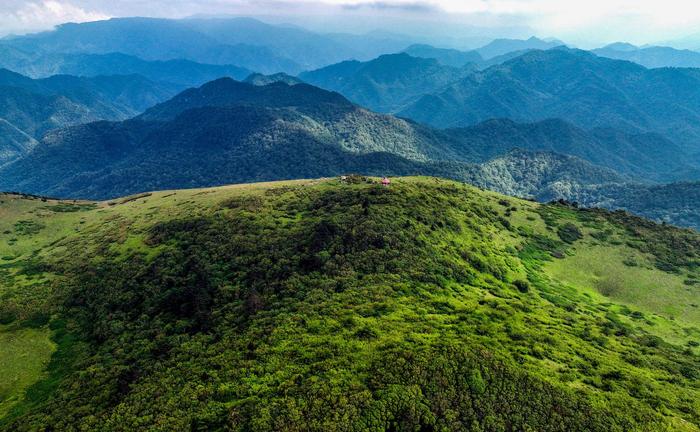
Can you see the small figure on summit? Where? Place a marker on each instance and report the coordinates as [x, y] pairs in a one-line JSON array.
[[386, 181]]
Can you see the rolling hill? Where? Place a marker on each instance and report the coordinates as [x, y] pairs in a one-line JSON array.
[[328, 305]]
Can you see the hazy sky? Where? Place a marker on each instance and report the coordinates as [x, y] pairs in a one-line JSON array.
[[584, 23]]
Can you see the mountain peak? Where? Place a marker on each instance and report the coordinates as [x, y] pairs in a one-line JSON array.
[[388, 82], [500, 47], [445, 56], [555, 55], [394, 62], [259, 79], [227, 92], [621, 46]]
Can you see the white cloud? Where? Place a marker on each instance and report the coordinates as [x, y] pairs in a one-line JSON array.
[[40, 15]]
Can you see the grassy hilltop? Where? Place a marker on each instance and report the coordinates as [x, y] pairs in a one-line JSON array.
[[319, 305]]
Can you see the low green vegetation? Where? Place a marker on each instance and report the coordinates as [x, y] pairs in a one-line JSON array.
[[625, 275], [24, 354], [346, 305]]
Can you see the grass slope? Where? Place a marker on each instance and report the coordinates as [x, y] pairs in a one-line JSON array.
[[321, 305], [24, 354]]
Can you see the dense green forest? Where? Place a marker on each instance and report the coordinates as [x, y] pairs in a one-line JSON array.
[[576, 86], [344, 305]]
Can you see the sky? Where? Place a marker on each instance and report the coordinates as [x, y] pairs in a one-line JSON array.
[[583, 23]]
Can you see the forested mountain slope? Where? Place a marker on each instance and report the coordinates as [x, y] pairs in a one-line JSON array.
[[387, 83], [225, 132], [37, 106], [14, 143], [576, 86], [322, 306]]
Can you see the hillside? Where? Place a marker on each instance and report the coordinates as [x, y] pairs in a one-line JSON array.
[[104, 95], [14, 143], [36, 106], [387, 83], [674, 203], [33, 114], [576, 86], [641, 156], [321, 305], [544, 176]]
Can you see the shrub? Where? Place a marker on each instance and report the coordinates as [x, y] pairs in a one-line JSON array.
[[522, 285], [476, 382], [569, 233]]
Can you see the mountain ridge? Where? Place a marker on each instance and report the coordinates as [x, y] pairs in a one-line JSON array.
[[651, 56], [32, 108], [180, 72], [231, 132], [387, 83], [577, 86]]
